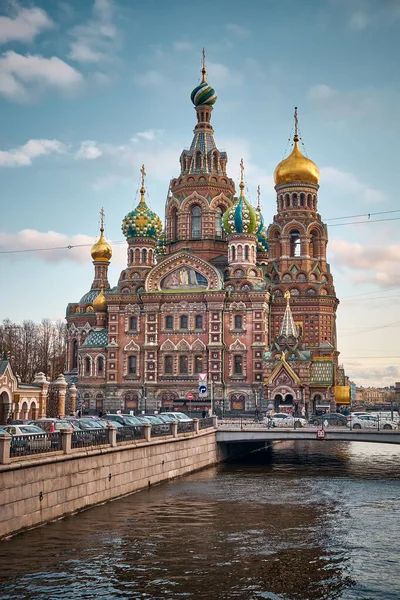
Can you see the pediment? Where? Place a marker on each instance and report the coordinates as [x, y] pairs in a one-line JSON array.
[[283, 378], [183, 272], [132, 347], [199, 346], [183, 346], [237, 346], [168, 346]]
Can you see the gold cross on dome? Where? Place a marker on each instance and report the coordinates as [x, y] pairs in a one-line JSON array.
[[258, 197], [296, 121], [102, 214], [241, 170], [143, 172]]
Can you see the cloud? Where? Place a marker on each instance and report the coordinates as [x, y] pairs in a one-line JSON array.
[[221, 75], [341, 105], [17, 72], [182, 46], [364, 373], [237, 30], [348, 183], [150, 78], [96, 40], [23, 155], [359, 20], [25, 25], [30, 239], [88, 150], [148, 135], [381, 264]]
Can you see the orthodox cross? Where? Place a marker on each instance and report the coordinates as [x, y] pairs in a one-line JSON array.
[[102, 219], [296, 122], [258, 198], [143, 172], [203, 70], [241, 170]]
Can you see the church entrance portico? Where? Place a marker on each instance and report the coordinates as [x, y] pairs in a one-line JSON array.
[[5, 406]]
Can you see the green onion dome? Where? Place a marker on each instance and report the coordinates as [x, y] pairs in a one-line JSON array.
[[241, 217], [203, 93], [262, 240], [142, 222]]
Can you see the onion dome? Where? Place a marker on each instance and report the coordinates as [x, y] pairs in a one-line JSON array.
[[203, 93], [100, 302], [296, 167], [101, 251], [142, 222], [262, 240], [241, 217]]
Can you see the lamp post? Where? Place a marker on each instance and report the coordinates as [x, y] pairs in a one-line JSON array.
[[144, 396]]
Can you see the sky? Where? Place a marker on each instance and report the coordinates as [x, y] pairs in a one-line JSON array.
[[92, 89]]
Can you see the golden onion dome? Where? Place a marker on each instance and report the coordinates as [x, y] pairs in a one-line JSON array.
[[100, 302], [296, 167], [101, 251]]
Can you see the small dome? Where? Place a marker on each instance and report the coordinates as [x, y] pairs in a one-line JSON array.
[[241, 217], [142, 222], [101, 251], [296, 167], [203, 93], [100, 302]]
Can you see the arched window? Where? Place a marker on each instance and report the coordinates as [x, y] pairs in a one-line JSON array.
[[287, 200], [87, 366], [199, 322], [246, 253], [183, 365], [168, 364], [314, 244], [100, 365], [198, 160], [295, 200], [215, 161], [75, 354], [196, 221], [184, 322], [294, 243], [218, 223], [238, 321], [233, 253], [144, 256], [174, 224], [302, 199], [132, 365], [133, 323], [198, 364]]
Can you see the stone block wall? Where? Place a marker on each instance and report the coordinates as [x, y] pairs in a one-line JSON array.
[[36, 490]]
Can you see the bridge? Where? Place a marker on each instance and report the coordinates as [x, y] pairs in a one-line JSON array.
[[240, 432]]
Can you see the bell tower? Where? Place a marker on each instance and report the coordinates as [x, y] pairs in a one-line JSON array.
[[297, 252]]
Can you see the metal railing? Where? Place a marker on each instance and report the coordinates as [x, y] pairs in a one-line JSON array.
[[158, 430], [130, 432], [205, 423], [185, 426], [37, 443], [89, 437]]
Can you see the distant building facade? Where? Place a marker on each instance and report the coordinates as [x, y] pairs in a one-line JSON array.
[[213, 292]]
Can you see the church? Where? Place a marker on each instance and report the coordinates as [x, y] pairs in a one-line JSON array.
[[214, 296]]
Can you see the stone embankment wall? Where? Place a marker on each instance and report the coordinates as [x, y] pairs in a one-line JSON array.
[[38, 489]]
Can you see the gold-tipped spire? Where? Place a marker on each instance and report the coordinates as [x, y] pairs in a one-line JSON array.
[[142, 189], [288, 327], [204, 70], [296, 167], [101, 250], [258, 198]]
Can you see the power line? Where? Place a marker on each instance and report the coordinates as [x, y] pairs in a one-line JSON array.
[[385, 212]]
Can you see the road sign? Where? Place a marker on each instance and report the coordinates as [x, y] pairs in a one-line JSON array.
[[321, 434], [202, 377], [203, 389], [190, 396]]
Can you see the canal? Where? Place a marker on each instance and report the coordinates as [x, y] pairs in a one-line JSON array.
[[306, 521]]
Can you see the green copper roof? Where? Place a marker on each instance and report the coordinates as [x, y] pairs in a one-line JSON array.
[[96, 339]]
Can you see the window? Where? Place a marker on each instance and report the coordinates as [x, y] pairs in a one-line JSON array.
[[133, 323], [198, 160], [100, 364], [238, 364], [238, 322], [295, 243], [174, 224], [87, 366], [184, 322], [183, 365], [218, 222], [144, 256], [215, 161], [75, 354], [196, 221], [233, 253], [198, 364], [246, 253], [199, 322], [168, 363], [169, 322], [132, 362]]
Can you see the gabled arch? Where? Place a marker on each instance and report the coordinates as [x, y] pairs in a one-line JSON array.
[[183, 259], [132, 347], [183, 346], [294, 224], [168, 346], [199, 346], [194, 198], [237, 346]]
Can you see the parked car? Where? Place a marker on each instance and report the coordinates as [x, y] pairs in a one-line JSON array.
[[49, 424], [123, 419], [331, 418], [286, 420], [178, 416], [27, 437], [158, 425], [370, 422]]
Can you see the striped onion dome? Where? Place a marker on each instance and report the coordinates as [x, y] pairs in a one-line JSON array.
[[203, 93], [241, 217]]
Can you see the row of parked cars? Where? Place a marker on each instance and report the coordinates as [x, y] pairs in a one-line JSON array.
[[356, 420], [28, 434]]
